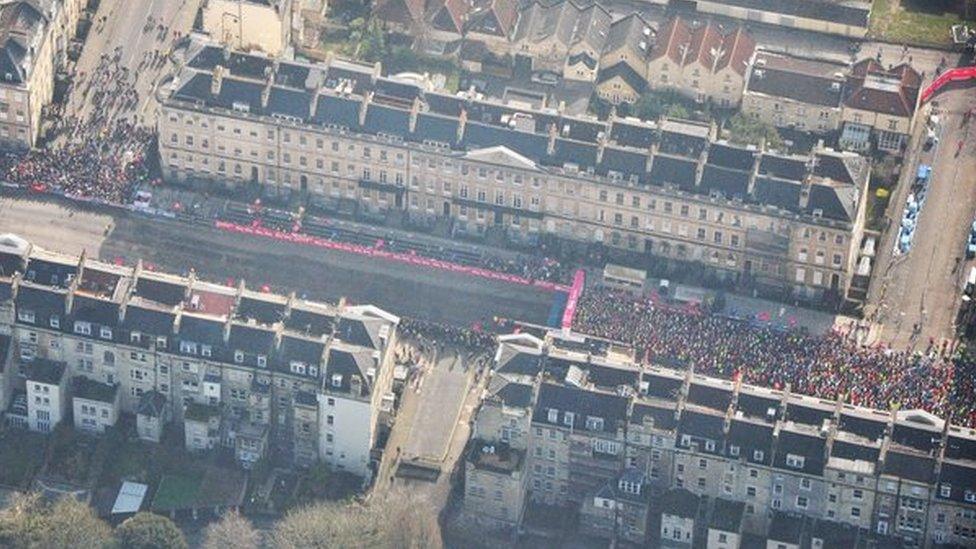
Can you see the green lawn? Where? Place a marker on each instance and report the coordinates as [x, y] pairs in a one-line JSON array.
[[21, 455], [176, 492], [914, 22]]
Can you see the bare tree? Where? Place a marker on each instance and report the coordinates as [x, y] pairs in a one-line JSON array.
[[399, 520], [73, 524], [28, 522], [232, 530]]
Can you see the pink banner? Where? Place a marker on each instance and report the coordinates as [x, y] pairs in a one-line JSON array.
[[298, 238], [951, 75], [572, 300]]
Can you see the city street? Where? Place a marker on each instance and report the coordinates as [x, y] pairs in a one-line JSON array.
[[417, 292], [132, 26], [915, 296]]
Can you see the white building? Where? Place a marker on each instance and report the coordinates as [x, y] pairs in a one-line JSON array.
[[47, 397], [357, 382], [95, 405]]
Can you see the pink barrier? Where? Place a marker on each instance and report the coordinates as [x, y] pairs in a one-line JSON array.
[[951, 75], [572, 300], [297, 238]]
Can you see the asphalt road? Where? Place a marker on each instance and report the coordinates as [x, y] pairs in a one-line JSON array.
[[923, 287], [406, 290]]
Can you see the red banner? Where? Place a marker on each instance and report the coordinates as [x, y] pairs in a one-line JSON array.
[[572, 300], [298, 238], [951, 75]]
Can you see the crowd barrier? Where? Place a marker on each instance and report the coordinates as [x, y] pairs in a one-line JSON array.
[[572, 299], [951, 75], [373, 251]]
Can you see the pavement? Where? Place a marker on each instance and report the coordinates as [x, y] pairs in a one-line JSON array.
[[404, 289], [915, 296], [444, 387]]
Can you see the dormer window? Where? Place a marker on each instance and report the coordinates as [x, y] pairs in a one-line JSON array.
[[758, 455], [970, 496], [734, 450], [105, 332], [337, 380], [83, 328], [945, 490], [685, 440], [313, 371], [262, 361], [206, 350], [297, 367], [25, 316], [188, 347], [160, 342], [594, 423], [795, 461], [553, 415], [135, 337], [568, 418], [238, 356], [55, 322], [710, 445]]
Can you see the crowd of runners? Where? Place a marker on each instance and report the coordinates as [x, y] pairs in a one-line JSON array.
[[829, 366]]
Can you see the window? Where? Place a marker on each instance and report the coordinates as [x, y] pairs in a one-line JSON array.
[[553, 415], [801, 502], [758, 455], [795, 461], [105, 332], [55, 322], [945, 490], [805, 484], [568, 419], [855, 512], [238, 356], [83, 328], [188, 347], [206, 350], [594, 423]]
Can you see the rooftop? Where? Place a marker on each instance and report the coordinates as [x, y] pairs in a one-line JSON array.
[[495, 456]]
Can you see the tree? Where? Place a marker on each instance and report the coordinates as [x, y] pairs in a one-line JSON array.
[[73, 524], [399, 520], [68, 523], [21, 520], [149, 531], [232, 530], [746, 130]]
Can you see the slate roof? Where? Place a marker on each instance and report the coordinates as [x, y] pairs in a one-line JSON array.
[[88, 389], [960, 478], [749, 437], [844, 13], [727, 515], [663, 416], [20, 23], [151, 404], [582, 403], [45, 371], [811, 447], [809, 81], [679, 503], [909, 466], [347, 362], [516, 395]]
